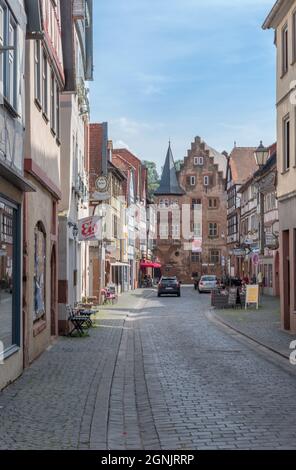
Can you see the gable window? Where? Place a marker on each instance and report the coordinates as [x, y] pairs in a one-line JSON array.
[[191, 180], [285, 49], [213, 230], [213, 203], [198, 161], [286, 142]]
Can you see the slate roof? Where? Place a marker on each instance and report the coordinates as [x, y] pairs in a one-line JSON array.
[[169, 184]]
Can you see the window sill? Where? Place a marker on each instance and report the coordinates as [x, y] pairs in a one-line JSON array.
[[45, 117], [285, 171], [39, 326], [11, 109], [11, 351], [38, 104], [284, 73]]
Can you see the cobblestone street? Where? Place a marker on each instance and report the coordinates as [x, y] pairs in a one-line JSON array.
[[154, 374]]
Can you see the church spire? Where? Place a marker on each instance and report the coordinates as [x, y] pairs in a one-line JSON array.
[[169, 184]]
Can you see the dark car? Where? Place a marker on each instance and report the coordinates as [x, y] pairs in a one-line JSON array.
[[169, 285]]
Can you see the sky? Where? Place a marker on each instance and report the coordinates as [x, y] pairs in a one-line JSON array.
[[176, 69]]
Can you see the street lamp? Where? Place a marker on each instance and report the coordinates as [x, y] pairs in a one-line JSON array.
[[261, 155]]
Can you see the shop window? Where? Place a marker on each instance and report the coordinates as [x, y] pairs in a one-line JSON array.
[[39, 272], [9, 276]]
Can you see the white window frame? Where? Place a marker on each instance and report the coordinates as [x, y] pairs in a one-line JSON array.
[[192, 180], [197, 229], [163, 231], [8, 59], [206, 180], [175, 231]]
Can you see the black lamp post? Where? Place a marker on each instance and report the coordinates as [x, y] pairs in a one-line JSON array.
[[261, 155]]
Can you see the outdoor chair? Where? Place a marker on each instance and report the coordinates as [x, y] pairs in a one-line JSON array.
[[108, 296], [80, 309], [79, 322]]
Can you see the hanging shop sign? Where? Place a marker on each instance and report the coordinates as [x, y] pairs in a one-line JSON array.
[[89, 229], [102, 192], [239, 252]]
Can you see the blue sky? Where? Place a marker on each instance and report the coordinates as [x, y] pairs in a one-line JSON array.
[[174, 69]]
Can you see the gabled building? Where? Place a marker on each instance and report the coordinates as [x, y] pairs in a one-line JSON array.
[[241, 165], [45, 80], [129, 187], [192, 240], [282, 19], [137, 237], [77, 42], [265, 179]]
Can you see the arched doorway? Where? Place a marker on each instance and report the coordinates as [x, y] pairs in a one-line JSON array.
[[53, 292]]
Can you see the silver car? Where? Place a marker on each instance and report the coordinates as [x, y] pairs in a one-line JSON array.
[[207, 283]]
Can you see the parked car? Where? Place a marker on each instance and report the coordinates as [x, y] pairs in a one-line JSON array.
[[169, 285], [207, 283]]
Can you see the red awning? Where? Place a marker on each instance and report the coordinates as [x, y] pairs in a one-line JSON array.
[[149, 264]]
